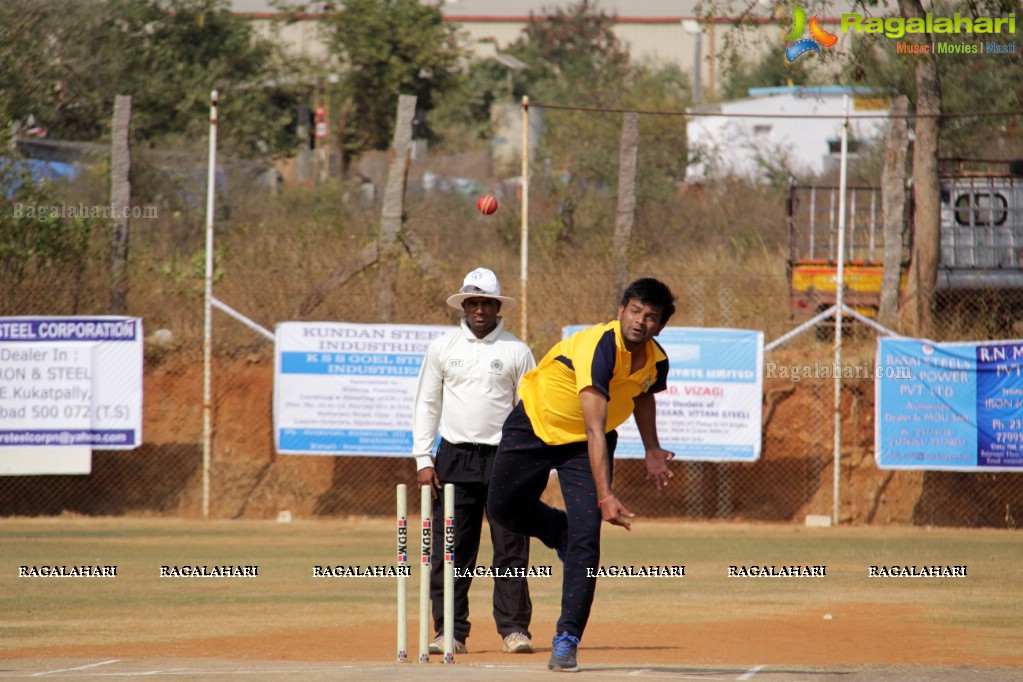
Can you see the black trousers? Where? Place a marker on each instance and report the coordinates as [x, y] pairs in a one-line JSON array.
[[520, 474], [513, 608]]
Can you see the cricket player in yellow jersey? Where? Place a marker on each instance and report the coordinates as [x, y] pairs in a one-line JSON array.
[[569, 408]]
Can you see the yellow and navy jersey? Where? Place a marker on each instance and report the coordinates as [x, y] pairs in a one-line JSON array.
[[594, 357]]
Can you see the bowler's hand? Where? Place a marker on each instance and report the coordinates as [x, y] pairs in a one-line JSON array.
[[428, 476], [614, 512], [657, 466]]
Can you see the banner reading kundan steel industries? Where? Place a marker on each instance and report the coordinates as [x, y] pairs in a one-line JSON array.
[[347, 389]]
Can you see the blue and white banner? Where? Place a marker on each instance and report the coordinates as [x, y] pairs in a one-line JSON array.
[[951, 406], [71, 381], [711, 410], [347, 389]]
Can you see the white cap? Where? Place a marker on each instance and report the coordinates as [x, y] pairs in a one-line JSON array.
[[480, 283]]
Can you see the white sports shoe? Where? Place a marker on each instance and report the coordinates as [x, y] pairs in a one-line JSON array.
[[437, 646], [517, 643]]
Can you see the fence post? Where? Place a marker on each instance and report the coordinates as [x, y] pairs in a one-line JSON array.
[[207, 345], [120, 200], [394, 206]]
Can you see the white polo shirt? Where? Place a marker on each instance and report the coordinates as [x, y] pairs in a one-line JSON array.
[[467, 387]]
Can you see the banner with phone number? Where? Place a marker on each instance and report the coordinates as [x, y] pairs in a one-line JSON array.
[[711, 410], [347, 389], [71, 381], [949, 406]]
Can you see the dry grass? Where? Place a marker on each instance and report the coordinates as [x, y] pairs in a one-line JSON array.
[[722, 257], [270, 615], [720, 246]]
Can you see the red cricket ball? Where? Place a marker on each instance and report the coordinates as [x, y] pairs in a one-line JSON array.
[[486, 204]]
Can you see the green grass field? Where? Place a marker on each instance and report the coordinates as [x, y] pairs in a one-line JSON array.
[[286, 612]]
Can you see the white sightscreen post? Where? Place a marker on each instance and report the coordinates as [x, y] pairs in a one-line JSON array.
[[524, 230], [207, 341], [839, 289]]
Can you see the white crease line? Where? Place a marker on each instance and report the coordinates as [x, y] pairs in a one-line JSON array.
[[192, 672], [213, 671], [167, 671], [81, 667], [748, 675]]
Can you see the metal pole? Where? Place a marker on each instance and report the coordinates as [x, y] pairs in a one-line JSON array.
[[695, 29], [697, 67], [207, 343], [839, 288], [524, 231]]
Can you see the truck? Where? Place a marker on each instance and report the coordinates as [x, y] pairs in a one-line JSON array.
[[981, 243]]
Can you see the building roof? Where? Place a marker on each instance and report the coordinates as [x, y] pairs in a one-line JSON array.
[[809, 90]]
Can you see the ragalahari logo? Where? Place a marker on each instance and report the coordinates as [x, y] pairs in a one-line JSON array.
[[798, 46]]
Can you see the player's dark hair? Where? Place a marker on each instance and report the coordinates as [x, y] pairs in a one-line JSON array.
[[651, 292]]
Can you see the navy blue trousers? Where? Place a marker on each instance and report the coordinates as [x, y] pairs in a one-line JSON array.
[[521, 470]]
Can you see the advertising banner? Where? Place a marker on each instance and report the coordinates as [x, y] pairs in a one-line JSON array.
[[347, 389], [952, 406], [71, 381], [711, 410]]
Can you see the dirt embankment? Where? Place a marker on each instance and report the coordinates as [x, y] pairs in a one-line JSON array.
[[247, 479]]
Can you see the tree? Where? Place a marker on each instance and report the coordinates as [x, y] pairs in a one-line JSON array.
[[944, 90], [575, 58], [64, 61], [388, 48], [923, 273], [935, 88], [770, 71], [44, 254], [462, 117], [571, 53]]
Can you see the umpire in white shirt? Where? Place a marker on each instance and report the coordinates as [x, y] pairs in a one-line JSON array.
[[468, 384]]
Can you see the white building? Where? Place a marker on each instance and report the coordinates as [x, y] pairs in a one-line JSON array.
[[794, 128]]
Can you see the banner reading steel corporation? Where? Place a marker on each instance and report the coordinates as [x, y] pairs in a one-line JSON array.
[[711, 410], [347, 389], [952, 406], [71, 381]]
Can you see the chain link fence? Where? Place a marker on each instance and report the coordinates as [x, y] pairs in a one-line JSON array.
[[722, 248]]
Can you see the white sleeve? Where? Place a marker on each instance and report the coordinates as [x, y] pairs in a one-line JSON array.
[[526, 363], [426, 411]]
